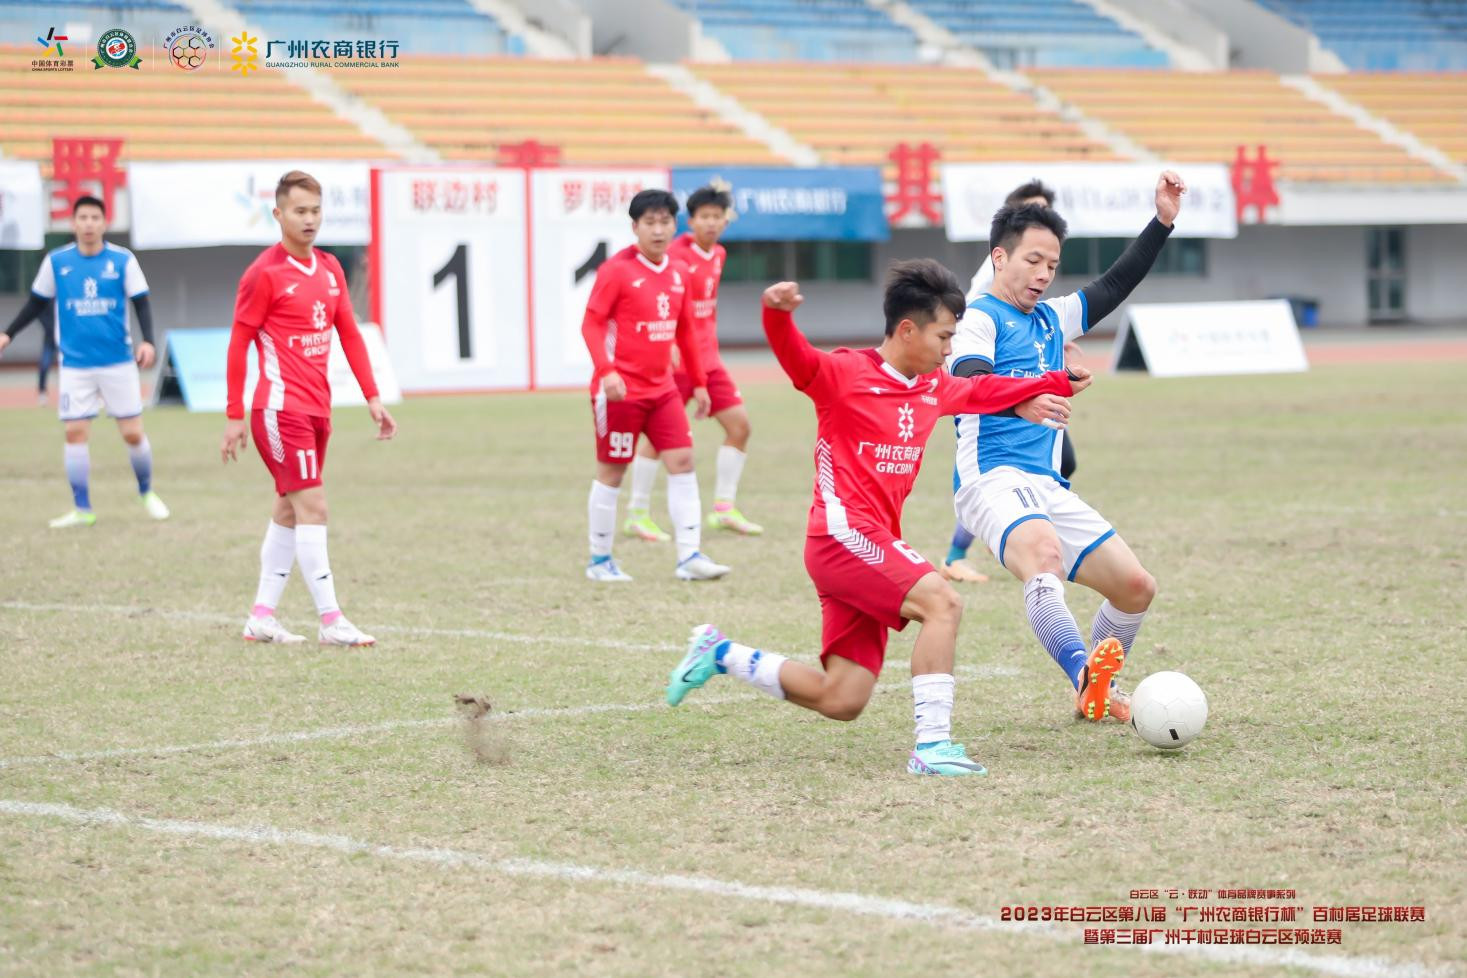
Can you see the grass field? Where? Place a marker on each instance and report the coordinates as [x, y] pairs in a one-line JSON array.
[[1307, 533]]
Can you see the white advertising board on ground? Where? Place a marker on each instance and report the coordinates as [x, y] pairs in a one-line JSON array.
[[1097, 200], [451, 276], [1194, 339]]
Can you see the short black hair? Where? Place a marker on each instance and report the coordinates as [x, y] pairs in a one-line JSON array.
[[708, 197], [1010, 223], [87, 200], [914, 290], [1034, 188], [652, 200]]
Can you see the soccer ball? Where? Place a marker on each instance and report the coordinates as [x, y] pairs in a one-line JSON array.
[[1168, 710]]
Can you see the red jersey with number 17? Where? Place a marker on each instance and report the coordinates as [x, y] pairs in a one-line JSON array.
[[705, 271], [637, 310], [874, 423], [287, 308]]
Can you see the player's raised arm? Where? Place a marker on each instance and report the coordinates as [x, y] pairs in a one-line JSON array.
[[800, 360], [1106, 293]]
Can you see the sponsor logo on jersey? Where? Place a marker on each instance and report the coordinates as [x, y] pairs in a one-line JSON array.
[[905, 424], [290, 289], [637, 282], [110, 271], [318, 315], [664, 305]]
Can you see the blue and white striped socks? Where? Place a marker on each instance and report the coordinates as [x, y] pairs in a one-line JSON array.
[[1112, 623], [1044, 598]]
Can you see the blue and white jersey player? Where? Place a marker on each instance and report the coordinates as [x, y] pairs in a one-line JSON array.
[[87, 284], [1008, 490]]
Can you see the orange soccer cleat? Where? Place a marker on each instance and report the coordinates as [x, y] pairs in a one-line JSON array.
[[1096, 696]]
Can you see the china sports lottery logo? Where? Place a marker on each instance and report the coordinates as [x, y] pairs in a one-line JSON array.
[[188, 47], [117, 49]]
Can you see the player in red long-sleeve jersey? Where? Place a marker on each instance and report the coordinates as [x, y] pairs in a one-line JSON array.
[[289, 299], [638, 308], [875, 410]]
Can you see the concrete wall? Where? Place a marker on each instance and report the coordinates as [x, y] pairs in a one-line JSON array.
[[1183, 24], [1260, 38], [654, 30]]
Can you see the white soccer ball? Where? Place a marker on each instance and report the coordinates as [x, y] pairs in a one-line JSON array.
[[1168, 710]]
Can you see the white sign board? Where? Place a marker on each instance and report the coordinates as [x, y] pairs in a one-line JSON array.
[[192, 205], [579, 220], [22, 206], [1193, 339], [452, 276], [1097, 200]]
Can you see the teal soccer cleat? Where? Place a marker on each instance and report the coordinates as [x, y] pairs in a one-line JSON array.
[[698, 665], [945, 759]]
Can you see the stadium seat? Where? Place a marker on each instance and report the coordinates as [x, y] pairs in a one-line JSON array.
[[1042, 33], [803, 30], [1432, 107], [1385, 35]]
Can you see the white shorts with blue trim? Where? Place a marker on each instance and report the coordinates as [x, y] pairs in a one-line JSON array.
[[86, 390], [1000, 499]]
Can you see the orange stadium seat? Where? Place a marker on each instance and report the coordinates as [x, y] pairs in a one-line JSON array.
[[1203, 117], [603, 110], [1432, 107], [170, 115]]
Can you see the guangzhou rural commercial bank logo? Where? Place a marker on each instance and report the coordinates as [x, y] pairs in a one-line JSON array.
[[117, 49], [188, 47]]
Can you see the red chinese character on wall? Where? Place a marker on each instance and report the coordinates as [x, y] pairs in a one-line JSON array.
[[84, 166], [914, 182], [425, 194], [529, 154], [1253, 182], [573, 195]]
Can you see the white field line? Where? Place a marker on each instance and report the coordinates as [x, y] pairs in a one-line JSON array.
[[134, 611], [841, 901], [386, 726]]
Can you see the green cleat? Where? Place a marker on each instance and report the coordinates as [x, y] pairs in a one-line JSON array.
[[77, 517], [698, 665], [732, 519], [944, 759], [639, 524]]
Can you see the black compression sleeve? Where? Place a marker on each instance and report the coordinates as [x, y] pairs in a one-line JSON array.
[[32, 309], [145, 317], [1103, 295]]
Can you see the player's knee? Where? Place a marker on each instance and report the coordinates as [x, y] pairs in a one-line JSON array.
[[842, 706], [132, 437], [945, 604], [76, 436], [1140, 590], [736, 431], [678, 461]]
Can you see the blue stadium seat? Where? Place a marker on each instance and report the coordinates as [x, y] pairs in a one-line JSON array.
[[803, 30], [425, 26], [1385, 35], [1042, 34]]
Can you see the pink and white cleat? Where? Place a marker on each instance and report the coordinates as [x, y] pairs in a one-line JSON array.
[[264, 628]]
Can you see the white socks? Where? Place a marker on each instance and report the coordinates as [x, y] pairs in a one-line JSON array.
[[730, 467], [756, 667], [310, 553], [644, 473], [601, 512], [932, 705], [277, 554], [687, 513]]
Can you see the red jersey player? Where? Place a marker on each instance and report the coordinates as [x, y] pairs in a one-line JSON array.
[[289, 299], [875, 410], [637, 310], [707, 218]]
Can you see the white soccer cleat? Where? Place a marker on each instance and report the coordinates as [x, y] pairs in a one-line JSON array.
[[699, 568], [343, 632], [269, 630], [77, 517], [154, 506], [606, 571]]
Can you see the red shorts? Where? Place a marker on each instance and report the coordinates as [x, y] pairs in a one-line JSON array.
[[721, 389], [618, 423], [862, 578], [293, 447]]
